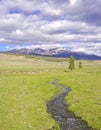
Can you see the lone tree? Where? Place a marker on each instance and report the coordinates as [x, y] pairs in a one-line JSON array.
[[80, 65], [71, 63]]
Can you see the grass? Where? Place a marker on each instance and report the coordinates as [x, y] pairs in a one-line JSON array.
[[23, 102], [45, 58], [85, 96], [25, 88]]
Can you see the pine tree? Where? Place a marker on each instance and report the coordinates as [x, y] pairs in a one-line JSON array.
[[80, 65], [71, 63]]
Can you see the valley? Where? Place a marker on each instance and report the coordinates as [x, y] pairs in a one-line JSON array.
[[25, 89]]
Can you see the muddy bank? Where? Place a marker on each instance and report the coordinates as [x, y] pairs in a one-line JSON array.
[[58, 109]]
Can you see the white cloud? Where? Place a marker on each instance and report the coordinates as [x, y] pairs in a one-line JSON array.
[[90, 48], [74, 2], [51, 22], [44, 46], [2, 39], [19, 32]]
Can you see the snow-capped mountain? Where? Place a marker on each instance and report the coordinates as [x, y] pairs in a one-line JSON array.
[[55, 52], [40, 51]]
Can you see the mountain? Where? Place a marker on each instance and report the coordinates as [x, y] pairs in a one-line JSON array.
[[55, 52]]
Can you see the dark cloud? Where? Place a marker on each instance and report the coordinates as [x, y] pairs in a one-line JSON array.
[[58, 1], [88, 11]]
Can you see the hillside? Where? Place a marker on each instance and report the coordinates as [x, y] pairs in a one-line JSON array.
[[55, 52]]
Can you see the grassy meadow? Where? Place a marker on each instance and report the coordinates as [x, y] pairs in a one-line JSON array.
[[25, 89]]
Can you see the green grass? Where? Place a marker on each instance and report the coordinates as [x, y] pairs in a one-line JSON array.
[[85, 96], [23, 102], [25, 88]]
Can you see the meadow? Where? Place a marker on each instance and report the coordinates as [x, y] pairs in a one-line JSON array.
[[25, 89]]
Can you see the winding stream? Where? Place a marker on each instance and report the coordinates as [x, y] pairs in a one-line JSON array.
[[58, 109]]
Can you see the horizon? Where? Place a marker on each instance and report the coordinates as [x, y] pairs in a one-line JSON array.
[[75, 25]]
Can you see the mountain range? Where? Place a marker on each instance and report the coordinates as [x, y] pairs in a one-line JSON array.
[[55, 52]]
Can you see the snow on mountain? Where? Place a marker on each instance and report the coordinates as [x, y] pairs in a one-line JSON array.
[[55, 52]]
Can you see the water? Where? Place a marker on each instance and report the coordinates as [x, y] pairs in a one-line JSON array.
[[58, 109]]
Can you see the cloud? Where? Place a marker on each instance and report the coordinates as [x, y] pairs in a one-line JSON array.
[[90, 48], [2, 40], [52, 22]]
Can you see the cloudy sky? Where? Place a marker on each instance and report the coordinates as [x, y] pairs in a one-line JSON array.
[[74, 24]]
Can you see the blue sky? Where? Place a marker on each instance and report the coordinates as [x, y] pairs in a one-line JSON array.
[[74, 24]]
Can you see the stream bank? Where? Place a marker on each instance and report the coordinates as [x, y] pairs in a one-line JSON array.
[[58, 109]]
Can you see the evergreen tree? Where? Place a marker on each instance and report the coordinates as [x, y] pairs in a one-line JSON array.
[[80, 65], [71, 63]]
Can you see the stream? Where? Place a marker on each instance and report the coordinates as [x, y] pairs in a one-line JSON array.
[[58, 109]]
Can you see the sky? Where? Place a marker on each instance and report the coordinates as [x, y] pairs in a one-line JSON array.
[[74, 24]]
